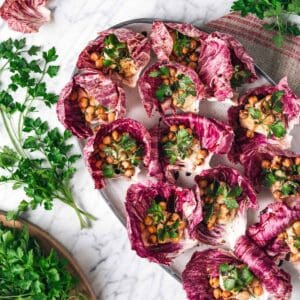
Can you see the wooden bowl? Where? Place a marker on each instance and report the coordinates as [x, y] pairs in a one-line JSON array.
[[47, 242]]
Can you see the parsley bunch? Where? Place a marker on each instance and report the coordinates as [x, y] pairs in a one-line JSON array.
[[28, 273], [277, 10], [39, 158]]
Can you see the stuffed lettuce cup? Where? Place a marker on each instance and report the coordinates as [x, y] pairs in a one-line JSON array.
[[224, 65], [246, 274], [160, 220], [120, 53], [177, 42], [225, 196], [169, 87], [88, 101], [278, 231], [267, 111], [186, 142], [117, 150], [269, 166]]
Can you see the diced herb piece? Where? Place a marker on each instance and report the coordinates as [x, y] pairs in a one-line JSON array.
[[162, 92], [289, 188], [276, 101], [229, 284], [127, 142], [269, 179], [278, 129], [181, 41], [164, 71], [224, 268], [235, 191], [297, 243], [255, 113], [108, 171], [239, 76], [246, 275], [154, 74], [231, 203], [156, 211]]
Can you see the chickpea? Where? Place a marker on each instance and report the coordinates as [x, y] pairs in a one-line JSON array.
[[172, 72], [83, 102], [214, 282], [165, 139], [181, 126], [243, 114], [269, 120], [244, 295], [287, 162], [103, 116], [192, 65], [109, 159], [175, 217], [94, 56], [211, 222], [73, 95], [226, 294], [100, 110], [163, 205], [101, 146], [102, 154], [181, 225], [126, 164], [200, 161], [250, 134], [252, 100], [106, 140], [258, 290], [152, 229], [185, 50], [171, 136], [152, 239], [90, 110], [173, 128], [294, 257], [115, 135], [217, 293], [89, 118], [166, 81], [98, 164], [193, 57], [148, 220], [99, 63], [297, 160], [129, 173], [277, 194], [193, 44], [111, 117], [265, 164], [296, 228], [203, 183], [282, 235]]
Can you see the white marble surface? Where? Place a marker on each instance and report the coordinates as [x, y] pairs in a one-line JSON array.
[[102, 251]]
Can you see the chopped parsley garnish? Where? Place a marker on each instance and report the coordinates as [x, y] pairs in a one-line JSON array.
[[278, 129], [181, 41], [156, 211], [239, 76], [168, 231]]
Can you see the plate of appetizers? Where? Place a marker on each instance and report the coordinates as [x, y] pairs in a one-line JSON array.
[[32, 244], [190, 143]]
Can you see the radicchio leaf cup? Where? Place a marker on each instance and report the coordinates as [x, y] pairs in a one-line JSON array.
[[25, 16], [187, 80], [285, 106], [179, 201], [105, 94], [201, 277], [270, 166], [93, 147], [225, 196], [134, 61], [210, 136], [278, 231], [224, 64], [163, 39]]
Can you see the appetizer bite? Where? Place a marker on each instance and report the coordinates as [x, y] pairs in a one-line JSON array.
[[88, 101], [278, 231], [117, 149], [186, 142], [270, 111], [120, 53], [270, 166], [224, 65], [248, 273], [225, 196], [177, 42], [160, 220], [169, 87]]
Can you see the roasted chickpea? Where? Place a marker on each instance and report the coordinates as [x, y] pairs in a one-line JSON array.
[[258, 290], [252, 100], [269, 120], [173, 128], [193, 57], [129, 173], [297, 160], [148, 220], [101, 146], [192, 65], [193, 44], [244, 295], [211, 222], [277, 194], [88, 118], [265, 164], [166, 81], [109, 159], [126, 164], [217, 293], [152, 239], [83, 102], [90, 110], [152, 229], [100, 110], [214, 282], [296, 228], [185, 50], [99, 63], [93, 101], [171, 136], [250, 134], [111, 116], [163, 205], [115, 135], [94, 56], [106, 140], [98, 164], [172, 72], [226, 294], [175, 217], [286, 162]]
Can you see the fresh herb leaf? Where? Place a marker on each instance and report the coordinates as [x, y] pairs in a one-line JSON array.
[[297, 243], [289, 188], [156, 211], [127, 142], [255, 113], [229, 284], [276, 101], [269, 178], [224, 268], [235, 191], [154, 74], [162, 92], [246, 275], [239, 76], [278, 129], [231, 203], [181, 41], [108, 171]]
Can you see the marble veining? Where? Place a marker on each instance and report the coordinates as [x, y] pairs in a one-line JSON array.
[[103, 251]]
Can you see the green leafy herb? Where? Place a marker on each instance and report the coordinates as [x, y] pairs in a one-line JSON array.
[[255, 113], [39, 159], [168, 231], [278, 129], [181, 41], [269, 178], [277, 10], [154, 74], [108, 171], [28, 273], [156, 211], [229, 284], [208, 209], [297, 242], [162, 92], [239, 76], [276, 101], [127, 142], [289, 188]]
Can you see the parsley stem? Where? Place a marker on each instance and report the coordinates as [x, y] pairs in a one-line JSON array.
[[10, 135]]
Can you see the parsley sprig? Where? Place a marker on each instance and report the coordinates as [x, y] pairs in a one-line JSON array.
[[28, 273], [39, 158], [277, 10]]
